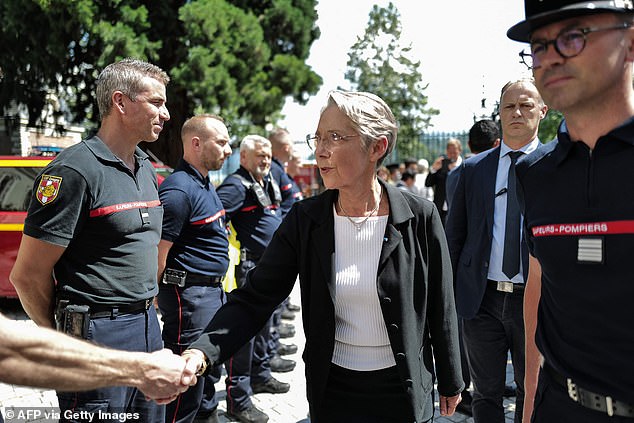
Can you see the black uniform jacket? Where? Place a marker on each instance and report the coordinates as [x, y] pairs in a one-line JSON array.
[[414, 286]]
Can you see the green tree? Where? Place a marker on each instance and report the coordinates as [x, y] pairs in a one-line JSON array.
[[237, 58], [549, 125], [378, 63]]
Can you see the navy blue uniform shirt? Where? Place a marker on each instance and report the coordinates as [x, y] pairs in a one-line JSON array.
[[108, 218], [194, 221], [288, 188], [254, 224], [579, 221]]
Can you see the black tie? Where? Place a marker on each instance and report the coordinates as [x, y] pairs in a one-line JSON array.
[[511, 258]]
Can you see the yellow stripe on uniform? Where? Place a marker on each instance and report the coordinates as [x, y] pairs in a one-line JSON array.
[[229, 281], [11, 227], [24, 163]]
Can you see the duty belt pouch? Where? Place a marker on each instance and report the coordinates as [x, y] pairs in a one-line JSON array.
[[174, 277], [74, 320]]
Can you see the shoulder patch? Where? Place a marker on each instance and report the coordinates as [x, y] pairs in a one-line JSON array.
[[48, 189]]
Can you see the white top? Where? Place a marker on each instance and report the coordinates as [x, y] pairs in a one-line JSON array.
[[361, 340], [499, 214]]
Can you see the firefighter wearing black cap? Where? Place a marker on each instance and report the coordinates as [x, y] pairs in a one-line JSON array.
[[579, 215], [193, 255]]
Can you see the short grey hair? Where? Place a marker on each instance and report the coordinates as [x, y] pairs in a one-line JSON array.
[[125, 76], [249, 142], [370, 116]]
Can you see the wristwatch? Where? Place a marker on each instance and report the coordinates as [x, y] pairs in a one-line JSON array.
[[205, 361]]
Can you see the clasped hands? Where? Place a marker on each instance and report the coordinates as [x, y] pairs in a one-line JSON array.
[[164, 375]]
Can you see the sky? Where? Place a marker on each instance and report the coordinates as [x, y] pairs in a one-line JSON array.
[[462, 45]]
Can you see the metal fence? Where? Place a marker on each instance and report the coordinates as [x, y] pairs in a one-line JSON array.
[[431, 145]]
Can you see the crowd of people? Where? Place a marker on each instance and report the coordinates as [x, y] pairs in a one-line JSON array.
[[411, 276]]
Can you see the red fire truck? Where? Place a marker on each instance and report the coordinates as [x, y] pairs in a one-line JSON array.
[[17, 175]]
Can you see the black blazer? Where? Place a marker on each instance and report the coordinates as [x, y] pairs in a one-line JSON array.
[[414, 288], [469, 229]]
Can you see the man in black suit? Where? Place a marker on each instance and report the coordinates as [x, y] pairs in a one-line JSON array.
[[489, 256], [437, 177], [483, 135]]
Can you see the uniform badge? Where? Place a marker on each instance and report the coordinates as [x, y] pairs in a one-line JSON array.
[[590, 250], [48, 189]]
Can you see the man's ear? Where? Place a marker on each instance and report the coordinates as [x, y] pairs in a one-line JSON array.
[[196, 144], [117, 101]]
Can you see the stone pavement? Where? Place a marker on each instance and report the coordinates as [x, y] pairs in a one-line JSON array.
[[291, 407]]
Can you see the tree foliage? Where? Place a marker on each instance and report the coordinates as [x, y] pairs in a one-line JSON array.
[[549, 125], [237, 58], [378, 63]]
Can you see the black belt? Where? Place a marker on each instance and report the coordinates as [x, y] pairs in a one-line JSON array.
[[588, 399], [505, 286], [100, 310], [193, 279]]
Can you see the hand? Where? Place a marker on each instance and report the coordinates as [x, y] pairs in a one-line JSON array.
[[437, 164], [194, 362], [162, 373], [448, 404]]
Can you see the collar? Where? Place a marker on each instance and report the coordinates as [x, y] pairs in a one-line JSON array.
[[527, 149], [400, 210], [245, 173], [101, 151], [186, 167], [623, 132]]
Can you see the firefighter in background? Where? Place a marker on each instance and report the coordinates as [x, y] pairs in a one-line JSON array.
[[252, 198]]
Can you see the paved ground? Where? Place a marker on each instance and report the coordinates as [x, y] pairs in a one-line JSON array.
[[291, 407]]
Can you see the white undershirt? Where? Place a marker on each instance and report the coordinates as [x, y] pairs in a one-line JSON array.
[[361, 340]]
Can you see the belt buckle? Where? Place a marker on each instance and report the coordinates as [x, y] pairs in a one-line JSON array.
[[505, 286], [572, 390], [608, 406]]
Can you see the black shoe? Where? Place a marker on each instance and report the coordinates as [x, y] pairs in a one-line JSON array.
[[250, 414], [281, 365], [293, 307], [464, 408], [271, 386], [509, 391], [212, 418], [285, 330], [286, 349], [287, 315]]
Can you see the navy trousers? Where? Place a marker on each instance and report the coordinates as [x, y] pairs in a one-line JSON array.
[[251, 364], [186, 312], [129, 332], [497, 328]]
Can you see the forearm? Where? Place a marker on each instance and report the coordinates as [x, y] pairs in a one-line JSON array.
[[532, 296], [37, 300], [54, 360], [57, 361], [32, 276]]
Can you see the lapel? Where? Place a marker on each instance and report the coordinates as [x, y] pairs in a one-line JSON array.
[[323, 236], [490, 168], [400, 212]]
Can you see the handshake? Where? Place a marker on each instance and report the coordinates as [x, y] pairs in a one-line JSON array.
[[162, 375]]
